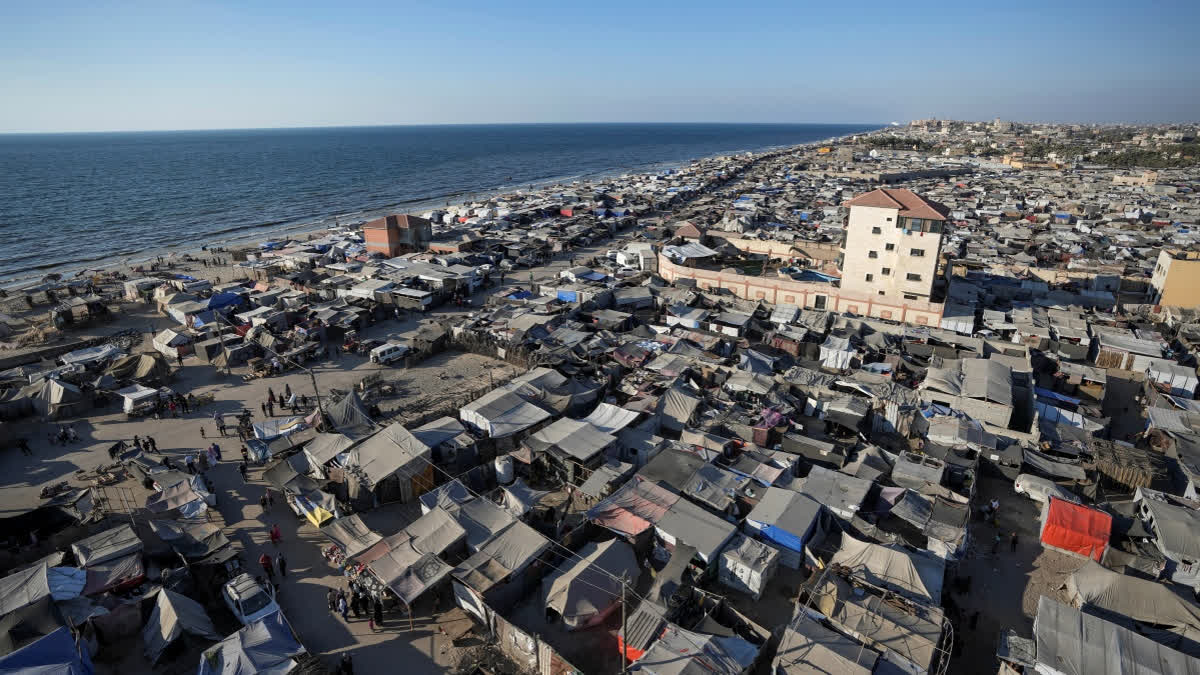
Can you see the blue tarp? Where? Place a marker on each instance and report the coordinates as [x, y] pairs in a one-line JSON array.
[[595, 276], [267, 645], [812, 275], [599, 213], [259, 450], [270, 245], [1053, 395], [222, 300], [54, 654], [185, 277], [519, 295], [782, 537], [568, 296]]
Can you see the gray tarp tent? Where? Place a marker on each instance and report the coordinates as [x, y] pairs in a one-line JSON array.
[[349, 416], [1094, 585], [325, 447], [265, 646], [912, 575], [173, 615], [393, 449], [108, 545], [809, 647], [676, 408], [351, 534], [54, 400], [1070, 642], [27, 586], [584, 591]]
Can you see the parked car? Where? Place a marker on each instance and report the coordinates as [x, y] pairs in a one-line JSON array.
[[389, 352], [1041, 489], [248, 600]]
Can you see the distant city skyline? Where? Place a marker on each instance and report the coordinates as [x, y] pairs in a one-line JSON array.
[[142, 65]]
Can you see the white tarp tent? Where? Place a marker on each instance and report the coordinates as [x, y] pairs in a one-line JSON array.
[[836, 353], [583, 593], [1180, 379], [912, 575]]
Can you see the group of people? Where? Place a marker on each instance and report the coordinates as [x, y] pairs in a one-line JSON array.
[[272, 565], [65, 434], [285, 401], [173, 405], [204, 457], [357, 601]]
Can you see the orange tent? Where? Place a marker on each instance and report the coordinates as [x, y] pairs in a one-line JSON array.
[[1070, 528]]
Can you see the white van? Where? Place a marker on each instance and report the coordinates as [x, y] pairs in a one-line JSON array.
[[1041, 489], [389, 352]]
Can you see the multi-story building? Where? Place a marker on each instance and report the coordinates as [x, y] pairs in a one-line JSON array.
[[892, 244], [393, 235], [1176, 279]]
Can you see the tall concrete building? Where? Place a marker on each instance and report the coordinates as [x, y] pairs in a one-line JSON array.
[[1176, 279], [893, 241]]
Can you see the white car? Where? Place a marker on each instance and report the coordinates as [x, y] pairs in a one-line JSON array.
[[1041, 489], [248, 600], [391, 351]]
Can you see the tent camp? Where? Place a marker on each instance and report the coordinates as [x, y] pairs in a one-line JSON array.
[[108, 545], [392, 463], [55, 400], [28, 586], [350, 417], [506, 410], [265, 646], [683, 652], [351, 534], [837, 353], [174, 615], [809, 647], [586, 590], [1075, 529], [917, 576]]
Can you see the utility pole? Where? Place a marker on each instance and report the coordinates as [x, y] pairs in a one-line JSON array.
[[624, 630]]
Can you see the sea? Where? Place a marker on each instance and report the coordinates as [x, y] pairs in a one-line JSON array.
[[78, 201]]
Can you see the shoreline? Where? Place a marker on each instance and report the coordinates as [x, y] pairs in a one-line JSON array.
[[196, 249]]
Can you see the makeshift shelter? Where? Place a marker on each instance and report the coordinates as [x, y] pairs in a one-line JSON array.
[[54, 400], [29, 624], [571, 444], [683, 652], [1095, 587], [54, 654], [907, 636], [265, 646], [633, 508], [107, 545], [28, 586], [174, 615], [1075, 529], [350, 417], [519, 498], [584, 590], [787, 520], [747, 565], [506, 411], [917, 576], [392, 464], [685, 522], [189, 499], [351, 535], [809, 647], [1071, 642], [195, 542], [497, 572], [837, 353], [840, 493], [172, 344], [1177, 379], [676, 409], [144, 367]]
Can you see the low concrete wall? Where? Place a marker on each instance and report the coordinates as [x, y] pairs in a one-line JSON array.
[[805, 294]]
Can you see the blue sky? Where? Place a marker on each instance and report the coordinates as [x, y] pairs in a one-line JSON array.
[[169, 64]]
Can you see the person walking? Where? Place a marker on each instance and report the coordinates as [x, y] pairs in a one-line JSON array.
[[153, 445], [270, 409], [202, 457], [281, 563], [191, 464], [216, 449], [202, 433], [262, 502], [377, 609], [137, 443], [263, 405], [270, 498], [242, 468], [331, 599], [343, 608], [179, 358], [276, 535], [270, 395], [346, 667], [267, 565], [355, 603], [245, 454], [24, 445]]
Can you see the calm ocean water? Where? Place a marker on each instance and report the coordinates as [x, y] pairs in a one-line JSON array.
[[72, 200]]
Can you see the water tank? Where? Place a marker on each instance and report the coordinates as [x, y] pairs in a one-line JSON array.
[[504, 470]]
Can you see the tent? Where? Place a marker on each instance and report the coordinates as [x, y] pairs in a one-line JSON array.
[[181, 497], [1071, 642], [584, 591], [1075, 529], [676, 409], [265, 646], [519, 498], [1096, 586], [351, 534], [837, 353], [29, 624], [55, 400], [54, 654], [146, 367], [506, 410], [393, 451], [809, 647], [610, 419], [683, 652], [107, 545], [28, 586], [193, 542], [350, 417], [917, 576], [685, 522], [172, 344], [173, 615], [633, 508], [1180, 380]]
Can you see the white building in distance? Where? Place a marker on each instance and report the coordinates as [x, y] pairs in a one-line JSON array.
[[893, 241]]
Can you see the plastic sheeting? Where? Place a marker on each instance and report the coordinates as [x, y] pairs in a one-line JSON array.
[[54, 654], [633, 508], [107, 545], [173, 615], [687, 523], [1070, 642], [610, 419], [808, 647], [351, 534], [576, 438], [585, 589], [913, 575], [682, 652], [265, 646], [1139, 599], [505, 411], [1075, 529], [392, 450], [31, 584]]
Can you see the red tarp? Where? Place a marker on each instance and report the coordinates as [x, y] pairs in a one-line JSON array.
[[633, 508], [1076, 529]]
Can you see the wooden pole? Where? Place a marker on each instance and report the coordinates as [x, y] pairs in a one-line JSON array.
[[624, 630]]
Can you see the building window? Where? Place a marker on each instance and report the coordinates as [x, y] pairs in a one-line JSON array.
[[876, 230], [870, 277], [915, 224], [887, 271], [913, 277], [872, 254], [889, 219], [910, 296], [889, 247], [882, 293], [917, 252]]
